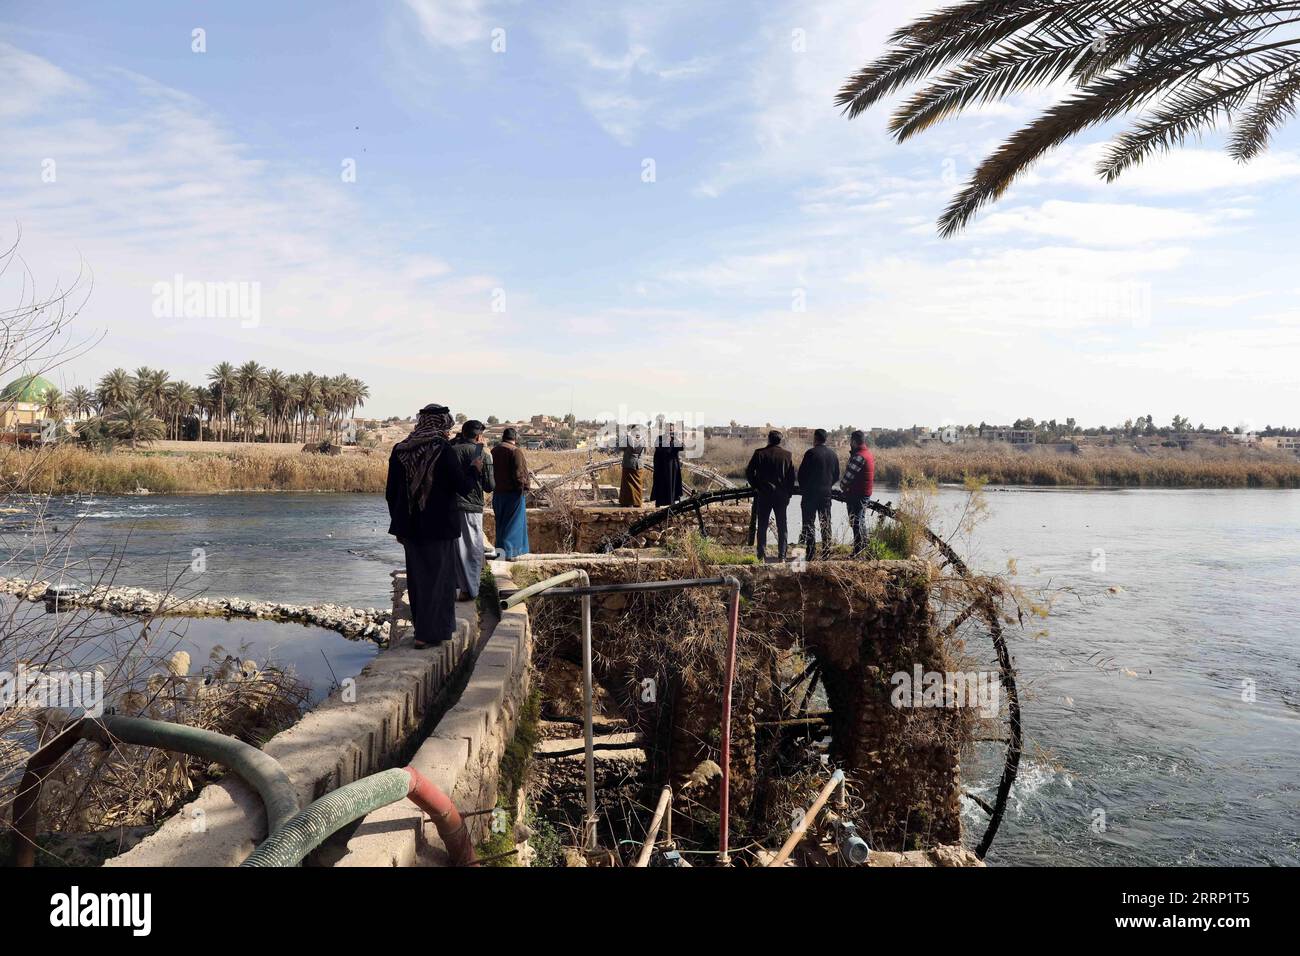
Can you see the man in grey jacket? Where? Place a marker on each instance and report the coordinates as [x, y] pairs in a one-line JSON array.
[[469, 447]]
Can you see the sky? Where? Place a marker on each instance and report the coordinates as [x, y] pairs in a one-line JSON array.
[[616, 207]]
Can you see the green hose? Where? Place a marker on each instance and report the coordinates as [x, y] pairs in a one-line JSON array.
[[257, 768], [288, 844]]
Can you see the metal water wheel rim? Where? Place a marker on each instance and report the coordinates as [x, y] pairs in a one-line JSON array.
[[1015, 736]]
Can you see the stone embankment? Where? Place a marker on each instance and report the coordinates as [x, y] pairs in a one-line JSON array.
[[354, 623]]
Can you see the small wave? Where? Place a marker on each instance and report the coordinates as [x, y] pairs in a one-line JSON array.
[[1032, 780]]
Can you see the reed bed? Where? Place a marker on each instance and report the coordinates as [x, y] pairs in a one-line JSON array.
[[1047, 467], [79, 471], [69, 470]]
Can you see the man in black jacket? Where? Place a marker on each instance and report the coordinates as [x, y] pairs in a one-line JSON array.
[[424, 478], [818, 473], [771, 475], [470, 448]]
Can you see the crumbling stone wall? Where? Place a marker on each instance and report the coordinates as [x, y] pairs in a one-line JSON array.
[[862, 628], [861, 623], [582, 528]]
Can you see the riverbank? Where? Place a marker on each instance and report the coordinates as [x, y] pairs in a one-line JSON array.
[[61, 471], [353, 623]]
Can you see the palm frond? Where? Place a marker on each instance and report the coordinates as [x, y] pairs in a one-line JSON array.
[[1194, 64], [1276, 105]]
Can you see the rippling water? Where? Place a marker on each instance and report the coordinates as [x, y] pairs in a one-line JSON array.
[[1133, 703]]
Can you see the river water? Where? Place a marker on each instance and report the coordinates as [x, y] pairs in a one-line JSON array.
[[1162, 708]]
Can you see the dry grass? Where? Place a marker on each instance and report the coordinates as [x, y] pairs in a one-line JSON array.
[[68, 470], [92, 789], [1092, 467]]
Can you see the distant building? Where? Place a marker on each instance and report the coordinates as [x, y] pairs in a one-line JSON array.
[[947, 435], [22, 402], [1281, 443], [1007, 434]]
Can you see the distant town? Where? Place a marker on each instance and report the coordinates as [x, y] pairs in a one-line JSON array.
[[251, 404], [568, 433]]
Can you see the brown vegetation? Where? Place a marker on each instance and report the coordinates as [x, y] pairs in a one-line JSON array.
[[1090, 467], [69, 470]]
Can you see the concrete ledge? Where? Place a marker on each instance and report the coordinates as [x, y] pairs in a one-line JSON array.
[[462, 755], [358, 730]]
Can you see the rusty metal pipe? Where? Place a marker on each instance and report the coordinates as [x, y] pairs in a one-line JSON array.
[[27, 802], [724, 807], [589, 754], [549, 587]]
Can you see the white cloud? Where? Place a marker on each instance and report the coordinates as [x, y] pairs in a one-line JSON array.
[[30, 83], [1183, 171], [452, 23], [150, 185], [1094, 223]]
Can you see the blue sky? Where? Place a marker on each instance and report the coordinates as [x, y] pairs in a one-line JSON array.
[[782, 265]]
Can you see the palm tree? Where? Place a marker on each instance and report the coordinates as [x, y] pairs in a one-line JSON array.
[[115, 388], [54, 404], [222, 378], [307, 398], [249, 380], [1188, 67], [179, 403], [277, 399], [81, 401], [151, 388], [135, 422], [205, 403]]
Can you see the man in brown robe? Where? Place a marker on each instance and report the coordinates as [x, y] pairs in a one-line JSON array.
[[630, 489]]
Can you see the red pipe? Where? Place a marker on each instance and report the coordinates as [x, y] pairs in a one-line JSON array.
[[426, 795], [725, 797]]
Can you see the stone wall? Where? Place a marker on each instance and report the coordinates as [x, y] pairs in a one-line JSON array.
[[463, 753], [562, 529]]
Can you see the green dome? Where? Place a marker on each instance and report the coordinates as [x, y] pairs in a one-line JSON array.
[[29, 388]]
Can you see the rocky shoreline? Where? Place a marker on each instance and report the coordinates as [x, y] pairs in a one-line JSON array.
[[354, 623]]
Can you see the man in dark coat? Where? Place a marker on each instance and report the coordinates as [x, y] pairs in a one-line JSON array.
[[424, 478], [771, 475], [667, 486], [470, 449], [818, 473]]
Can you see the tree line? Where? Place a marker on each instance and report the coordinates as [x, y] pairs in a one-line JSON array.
[[244, 403]]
